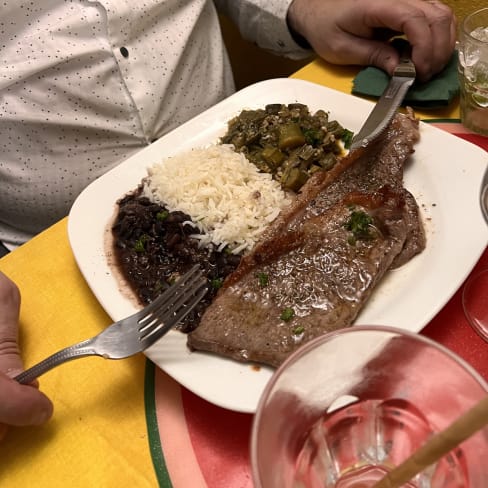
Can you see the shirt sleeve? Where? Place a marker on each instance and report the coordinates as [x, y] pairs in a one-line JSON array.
[[264, 22]]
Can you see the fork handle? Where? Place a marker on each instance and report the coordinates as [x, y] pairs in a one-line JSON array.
[[75, 351]]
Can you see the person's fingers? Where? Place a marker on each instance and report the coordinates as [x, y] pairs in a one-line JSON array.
[[349, 49], [22, 404], [429, 26], [354, 33], [444, 29], [443, 23], [19, 404], [9, 300], [431, 53], [10, 360]]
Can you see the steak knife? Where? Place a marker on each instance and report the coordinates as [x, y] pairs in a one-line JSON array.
[[386, 107]]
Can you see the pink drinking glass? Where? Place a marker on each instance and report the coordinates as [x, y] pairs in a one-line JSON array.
[[349, 406]]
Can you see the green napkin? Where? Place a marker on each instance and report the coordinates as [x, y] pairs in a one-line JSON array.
[[437, 92]]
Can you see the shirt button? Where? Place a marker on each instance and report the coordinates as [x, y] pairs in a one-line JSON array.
[[124, 52]]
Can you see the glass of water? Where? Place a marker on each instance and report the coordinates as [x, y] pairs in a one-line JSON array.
[[473, 71], [349, 406]]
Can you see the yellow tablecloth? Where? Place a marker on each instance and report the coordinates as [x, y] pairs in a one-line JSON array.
[[98, 435]]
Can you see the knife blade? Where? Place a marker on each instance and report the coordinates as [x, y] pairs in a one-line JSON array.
[[386, 107]]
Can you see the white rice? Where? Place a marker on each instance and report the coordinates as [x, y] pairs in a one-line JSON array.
[[225, 195]]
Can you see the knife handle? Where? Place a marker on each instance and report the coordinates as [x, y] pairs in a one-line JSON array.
[[405, 65]]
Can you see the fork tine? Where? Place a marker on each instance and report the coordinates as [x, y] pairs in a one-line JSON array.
[[169, 311], [184, 304], [179, 297], [180, 292], [166, 313], [168, 295]]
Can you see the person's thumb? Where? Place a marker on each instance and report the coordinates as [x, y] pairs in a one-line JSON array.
[[9, 316], [22, 404]]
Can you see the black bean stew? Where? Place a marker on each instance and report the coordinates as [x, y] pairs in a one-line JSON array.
[[153, 248]]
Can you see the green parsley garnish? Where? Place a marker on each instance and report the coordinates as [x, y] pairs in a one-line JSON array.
[[359, 224], [263, 279], [217, 283], [163, 215], [298, 330], [140, 244], [287, 314], [158, 286], [346, 137]]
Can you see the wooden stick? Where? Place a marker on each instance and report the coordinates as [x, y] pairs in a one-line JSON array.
[[437, 446]]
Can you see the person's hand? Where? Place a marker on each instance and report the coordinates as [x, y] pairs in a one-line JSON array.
[[356, 31], [19, 404]]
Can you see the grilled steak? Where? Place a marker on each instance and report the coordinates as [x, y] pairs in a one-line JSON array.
[[320, 260], [316, 278]]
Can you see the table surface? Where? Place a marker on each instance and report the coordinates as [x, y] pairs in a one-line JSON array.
[[126, 423]]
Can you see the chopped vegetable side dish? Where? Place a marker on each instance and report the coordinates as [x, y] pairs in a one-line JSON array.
[[288, 141]]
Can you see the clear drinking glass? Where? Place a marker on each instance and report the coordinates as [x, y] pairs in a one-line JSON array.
[[475, 299], [473, 71], [475, 303], [349, 406]]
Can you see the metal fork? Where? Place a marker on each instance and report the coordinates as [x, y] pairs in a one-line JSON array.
[[135, 333]]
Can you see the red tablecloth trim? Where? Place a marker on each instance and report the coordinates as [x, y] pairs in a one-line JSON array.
[[451, 328]]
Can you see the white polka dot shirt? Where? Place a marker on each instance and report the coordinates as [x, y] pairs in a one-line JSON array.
[[84, 84]]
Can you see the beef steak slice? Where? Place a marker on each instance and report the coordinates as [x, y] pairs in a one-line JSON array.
[[309, 281]]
